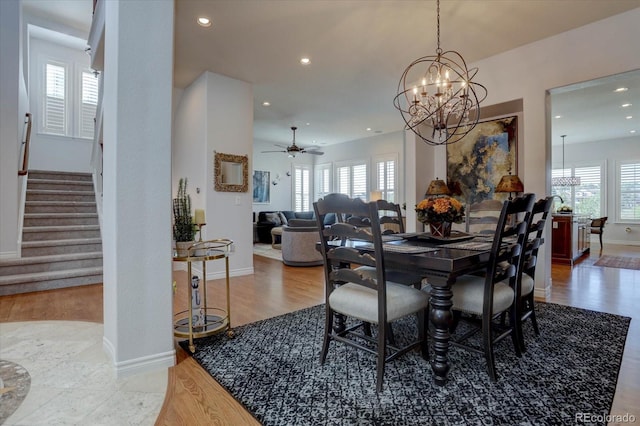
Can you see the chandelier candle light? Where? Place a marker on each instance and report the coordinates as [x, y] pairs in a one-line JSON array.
[[438, 92]]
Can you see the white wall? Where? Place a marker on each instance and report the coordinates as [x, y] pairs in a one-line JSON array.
[[608, 153], [53, 152], [12, 109], [215, 114], [278, 164], [529, 72]]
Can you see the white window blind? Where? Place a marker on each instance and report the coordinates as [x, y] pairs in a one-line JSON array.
[[588, 198], [55, 109], [629, 190], [323, 180], [352, 180], [89, 101], [385, 179], [302, 189]]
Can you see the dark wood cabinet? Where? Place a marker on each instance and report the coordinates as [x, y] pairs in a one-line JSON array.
[[570, 237]]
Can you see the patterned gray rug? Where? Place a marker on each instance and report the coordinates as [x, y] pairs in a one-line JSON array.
[[272, 367]]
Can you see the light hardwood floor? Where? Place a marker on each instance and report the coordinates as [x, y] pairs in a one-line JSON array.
[[194, 398]]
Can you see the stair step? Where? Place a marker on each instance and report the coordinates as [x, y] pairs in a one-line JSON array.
[[55, 175], [55, 195], [52, 247], [57, 262], [60, 207], [59, 185], [39, 233], [59, 219], [24, 283]]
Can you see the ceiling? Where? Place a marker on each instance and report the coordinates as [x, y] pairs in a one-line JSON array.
[[358, 51]]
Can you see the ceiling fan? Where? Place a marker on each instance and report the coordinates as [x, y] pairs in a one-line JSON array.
[[294, 149]]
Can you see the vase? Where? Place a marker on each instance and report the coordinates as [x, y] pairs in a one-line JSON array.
[[182, 248], [440, 229]]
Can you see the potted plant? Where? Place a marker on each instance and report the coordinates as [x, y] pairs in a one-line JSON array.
[[184, 230]]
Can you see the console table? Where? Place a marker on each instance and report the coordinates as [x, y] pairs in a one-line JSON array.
[[215, 320]]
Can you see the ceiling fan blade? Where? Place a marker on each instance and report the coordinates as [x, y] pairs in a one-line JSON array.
[[264, 152], [314, 152]]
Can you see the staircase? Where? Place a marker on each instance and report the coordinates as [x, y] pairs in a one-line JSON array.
[[61, 244]]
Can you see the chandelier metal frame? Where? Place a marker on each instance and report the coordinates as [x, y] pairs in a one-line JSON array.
[[437, 97]]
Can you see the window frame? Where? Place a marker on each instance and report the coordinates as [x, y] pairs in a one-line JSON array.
[[619, 192], [571, 169], [302, 168], [375, 177]]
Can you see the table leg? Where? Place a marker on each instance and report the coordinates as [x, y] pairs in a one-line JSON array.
[[440, 316]]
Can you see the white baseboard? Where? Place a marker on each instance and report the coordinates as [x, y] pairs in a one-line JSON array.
[[145, 364], [9, 255], [182, 266]]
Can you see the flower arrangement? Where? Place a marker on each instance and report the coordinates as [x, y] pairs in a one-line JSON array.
[[440, 209]]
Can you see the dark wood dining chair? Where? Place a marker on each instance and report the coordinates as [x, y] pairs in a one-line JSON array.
[[363, 298], [481, 300], [525, 306], [391, 219], [597, 227]]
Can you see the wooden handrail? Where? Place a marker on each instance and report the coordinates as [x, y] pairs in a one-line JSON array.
[[25, 141]]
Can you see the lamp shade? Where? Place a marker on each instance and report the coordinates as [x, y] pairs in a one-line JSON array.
[[510, 183], [375, 195], [438, 187]]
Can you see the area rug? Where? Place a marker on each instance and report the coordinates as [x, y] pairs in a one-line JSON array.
[[272, 367], [619, 262], [266, 250]]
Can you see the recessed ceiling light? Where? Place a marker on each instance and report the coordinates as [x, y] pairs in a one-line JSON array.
[[368, 129], [203, 21], [626, 105], [629, 117], [308, 124], [632, 131], [621, 89], [305, 61], [266, 103], [558, 116]]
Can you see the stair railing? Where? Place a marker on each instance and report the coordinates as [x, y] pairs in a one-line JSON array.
[[22, 179], [24, 146]]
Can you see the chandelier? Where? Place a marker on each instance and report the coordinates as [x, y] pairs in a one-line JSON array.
[[565, 181], [437, 98]]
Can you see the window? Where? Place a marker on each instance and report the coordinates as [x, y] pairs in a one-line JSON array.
[[629, 192], [55, 95], [587, 197], [88, 104], [385, 178], [69, 99], [301, 188], [351, 179], [323, 180]]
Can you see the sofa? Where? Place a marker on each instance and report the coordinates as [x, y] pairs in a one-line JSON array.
[[267, 220]]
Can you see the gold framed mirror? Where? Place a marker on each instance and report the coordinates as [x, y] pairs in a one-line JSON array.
[[231, 172]]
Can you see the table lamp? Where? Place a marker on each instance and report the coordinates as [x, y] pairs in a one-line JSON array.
[[437, 187], [510, 183]]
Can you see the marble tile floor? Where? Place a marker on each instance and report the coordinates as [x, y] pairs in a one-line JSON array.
[[72, 380]]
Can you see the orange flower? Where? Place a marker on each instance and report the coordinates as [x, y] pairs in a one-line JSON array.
[[440, 209]]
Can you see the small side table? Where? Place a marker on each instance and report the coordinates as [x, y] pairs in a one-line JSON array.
[[216, 319]]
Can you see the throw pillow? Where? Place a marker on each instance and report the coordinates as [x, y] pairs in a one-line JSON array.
[[274, 218], [283, 218]]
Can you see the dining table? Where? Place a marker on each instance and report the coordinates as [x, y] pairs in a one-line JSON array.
[[440, 260]]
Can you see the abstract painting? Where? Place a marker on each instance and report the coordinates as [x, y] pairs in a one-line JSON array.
[[476, 163], [261, 181]]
